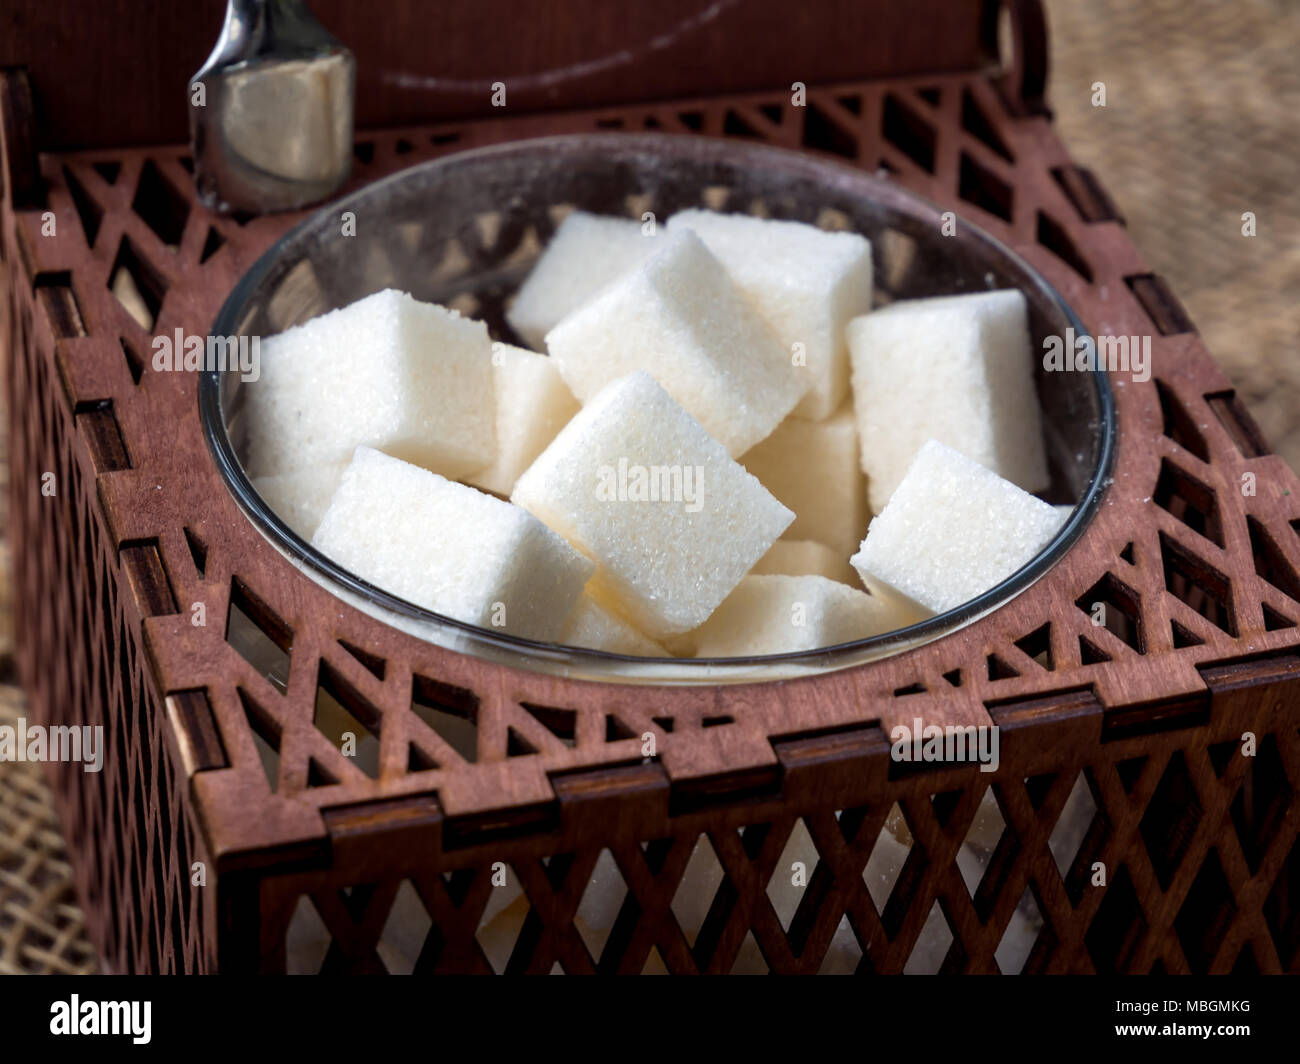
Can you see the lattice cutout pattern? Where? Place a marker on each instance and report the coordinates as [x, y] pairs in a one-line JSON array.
[[1195, 643]]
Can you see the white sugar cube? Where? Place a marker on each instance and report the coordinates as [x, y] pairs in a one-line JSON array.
[[585, 254], [807, 283], [805, 557], [786, 614], [450, 549], [412, 379], [680, 317], [592, 625], [671, 521], [951, 531], [532, 405], [813, 467], [301, 498], [957, 369]]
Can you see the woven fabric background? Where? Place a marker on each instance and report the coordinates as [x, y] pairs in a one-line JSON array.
[[1201, 115], [1200, 125]]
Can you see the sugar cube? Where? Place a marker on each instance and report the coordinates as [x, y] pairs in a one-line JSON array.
[[786, 614], [671, 521], [805, 557], [680, 317], [301, 498], [450, 549], [592, 625], [951, 531], [806, 282], [958, 369], [813, 467], [532, 405], [410, 378], [586, 253]]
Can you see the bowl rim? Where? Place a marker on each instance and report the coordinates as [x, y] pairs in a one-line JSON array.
[[606, 666]]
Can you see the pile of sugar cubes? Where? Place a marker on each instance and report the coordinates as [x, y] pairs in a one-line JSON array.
[[718, 448]]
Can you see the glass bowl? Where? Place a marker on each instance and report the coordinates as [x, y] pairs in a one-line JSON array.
[[464, 230]]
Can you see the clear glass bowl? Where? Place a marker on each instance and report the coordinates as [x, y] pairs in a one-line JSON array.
[[465, 230]]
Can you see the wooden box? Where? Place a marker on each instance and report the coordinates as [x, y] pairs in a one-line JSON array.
[[1161, 746]]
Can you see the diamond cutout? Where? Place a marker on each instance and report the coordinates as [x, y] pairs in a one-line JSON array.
[[1018, 939], [601, 903], [888, 856], [932, 944], [503, 918], [981, 840], [1071, 828], [793, 873], [307, 940], [405, 931], [1206, 914], [1171, 818], [1261, 803], [699, 885], [1116, 927]]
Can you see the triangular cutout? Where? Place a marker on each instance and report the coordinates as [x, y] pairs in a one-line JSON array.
[[1221, 754], [1038, 646], [1129, 772], [347, 720], [517, 745], [108, 170], [450, 712], [266, 736], [1127, 553], [374, 664], [953, 677], [1037, 787], [214, 243], [944, 803], [1182, 637], [318, 775], [90, 213], [562, 723], [419, 761], [1090, 653], [616, 729], [1000, 670], [749, 961], [1274, 621], [134, 364], [198, 552], [733, 125], [654, 963]]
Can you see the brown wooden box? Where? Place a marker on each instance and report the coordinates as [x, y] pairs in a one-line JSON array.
[[1140, 721]]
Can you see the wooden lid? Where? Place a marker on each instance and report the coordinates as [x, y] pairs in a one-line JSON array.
[[100, 78]]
